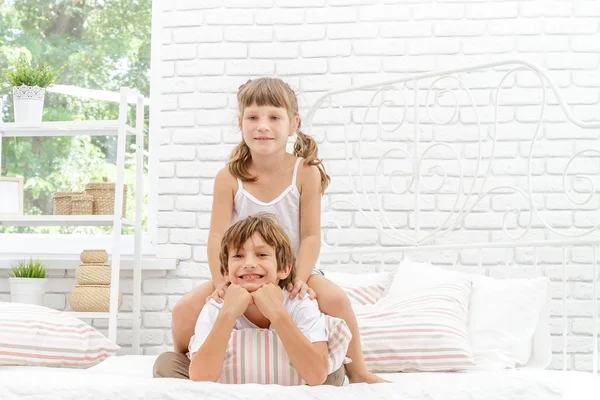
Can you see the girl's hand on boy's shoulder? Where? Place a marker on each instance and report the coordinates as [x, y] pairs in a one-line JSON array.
[[299, 288], [269, 300], [237, 299], [219, 294]]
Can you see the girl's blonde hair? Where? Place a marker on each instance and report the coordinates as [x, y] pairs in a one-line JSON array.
[[272, 92]]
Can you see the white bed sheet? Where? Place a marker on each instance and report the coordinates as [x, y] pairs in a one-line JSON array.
[[129, 377]]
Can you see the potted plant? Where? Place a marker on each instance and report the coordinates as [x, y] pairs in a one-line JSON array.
[[28, 282], [29, 83]]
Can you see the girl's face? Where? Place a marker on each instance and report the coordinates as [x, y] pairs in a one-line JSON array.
[[265, 129]]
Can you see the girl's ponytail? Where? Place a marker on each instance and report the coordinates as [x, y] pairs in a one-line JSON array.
[[306, 147], [239, 162]]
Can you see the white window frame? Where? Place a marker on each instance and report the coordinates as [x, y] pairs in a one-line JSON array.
[[68, 246]]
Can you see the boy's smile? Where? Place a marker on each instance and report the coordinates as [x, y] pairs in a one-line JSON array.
[[254, 264]]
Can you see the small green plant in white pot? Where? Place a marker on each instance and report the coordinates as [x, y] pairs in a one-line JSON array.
[[29, 83], [28, 282]]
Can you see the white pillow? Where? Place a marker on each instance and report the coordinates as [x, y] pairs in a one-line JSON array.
[[504, 314], [541, 356]]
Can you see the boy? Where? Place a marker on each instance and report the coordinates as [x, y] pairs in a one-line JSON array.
[[257, 260]]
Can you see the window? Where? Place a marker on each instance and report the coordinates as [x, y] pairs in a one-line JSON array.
[[101, 45]]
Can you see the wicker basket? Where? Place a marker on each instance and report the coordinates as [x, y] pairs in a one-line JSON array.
[[92, 298], [104, 197], [93, 274], [82, 204], [93, 256], [63, 202]]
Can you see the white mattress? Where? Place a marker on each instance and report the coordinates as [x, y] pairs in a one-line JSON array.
[[129, 377]]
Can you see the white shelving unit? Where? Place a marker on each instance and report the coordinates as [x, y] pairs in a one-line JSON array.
[[120, 129]]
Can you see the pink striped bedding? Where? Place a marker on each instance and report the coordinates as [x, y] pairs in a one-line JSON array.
[[425, 331], [258, 356], [361, 295], [32, 335]]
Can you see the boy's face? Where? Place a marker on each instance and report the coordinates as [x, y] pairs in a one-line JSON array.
[[254, 265]]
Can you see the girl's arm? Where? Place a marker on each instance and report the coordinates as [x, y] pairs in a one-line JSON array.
[[309, 359], [310, 220], [220, 220], [207, 362]]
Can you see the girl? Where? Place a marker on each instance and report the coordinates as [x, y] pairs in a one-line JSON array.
[[261, 176]]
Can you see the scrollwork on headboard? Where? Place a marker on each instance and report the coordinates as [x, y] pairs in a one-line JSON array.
[[463, 149]]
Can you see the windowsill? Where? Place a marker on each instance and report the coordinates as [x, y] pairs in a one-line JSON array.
[[52, 262], [68, 244], [62, 251]]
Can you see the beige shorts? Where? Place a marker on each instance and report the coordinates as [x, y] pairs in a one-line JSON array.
[[177, 365]]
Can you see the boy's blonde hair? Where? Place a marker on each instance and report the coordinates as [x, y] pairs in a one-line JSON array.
[[267, 227], [272, 92]]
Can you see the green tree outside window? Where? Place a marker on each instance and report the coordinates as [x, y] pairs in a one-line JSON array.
[[103, 44]]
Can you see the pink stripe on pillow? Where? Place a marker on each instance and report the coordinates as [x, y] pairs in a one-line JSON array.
[[258, 356], [362, 295], [424, 331], [38, 336], [267, 357]]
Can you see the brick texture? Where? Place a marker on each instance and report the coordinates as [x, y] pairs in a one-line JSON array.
[[318, 45]]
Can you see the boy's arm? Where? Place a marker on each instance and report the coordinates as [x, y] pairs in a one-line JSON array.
[[213, 331], [311, 360], [207, 362], [309, 357]]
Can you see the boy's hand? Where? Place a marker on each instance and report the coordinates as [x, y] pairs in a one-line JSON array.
[[300, 288], [269, 300], [237, 299], [219, 294]]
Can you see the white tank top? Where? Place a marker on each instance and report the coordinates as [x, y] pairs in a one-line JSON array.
[[286, 208]]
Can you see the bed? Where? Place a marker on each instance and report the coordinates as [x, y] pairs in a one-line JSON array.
[[421, 194], [129, 377]]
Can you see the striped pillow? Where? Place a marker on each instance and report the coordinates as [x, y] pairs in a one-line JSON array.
[[258, 356], [361, 288], [423, 331], [361, 295], [32, 335]]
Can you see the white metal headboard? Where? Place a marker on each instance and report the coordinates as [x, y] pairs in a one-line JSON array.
[[419, 165]]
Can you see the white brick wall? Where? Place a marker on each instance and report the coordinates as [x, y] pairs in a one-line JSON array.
[[211, 47], [320, 45]]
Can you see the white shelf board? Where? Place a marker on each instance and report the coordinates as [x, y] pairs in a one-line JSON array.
[[71, 263], [63, 128], [60, 220], [98, 315]]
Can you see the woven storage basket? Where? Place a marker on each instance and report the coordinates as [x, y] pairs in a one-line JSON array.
[[104, 197], [93, 256], [93, 274], [63, 201], [92, 298], [82, 204]]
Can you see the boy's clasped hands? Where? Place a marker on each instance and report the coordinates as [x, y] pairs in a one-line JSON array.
[[268, 299], [296, 288]]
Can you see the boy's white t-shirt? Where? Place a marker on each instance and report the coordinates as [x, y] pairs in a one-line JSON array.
[[305, 313]]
